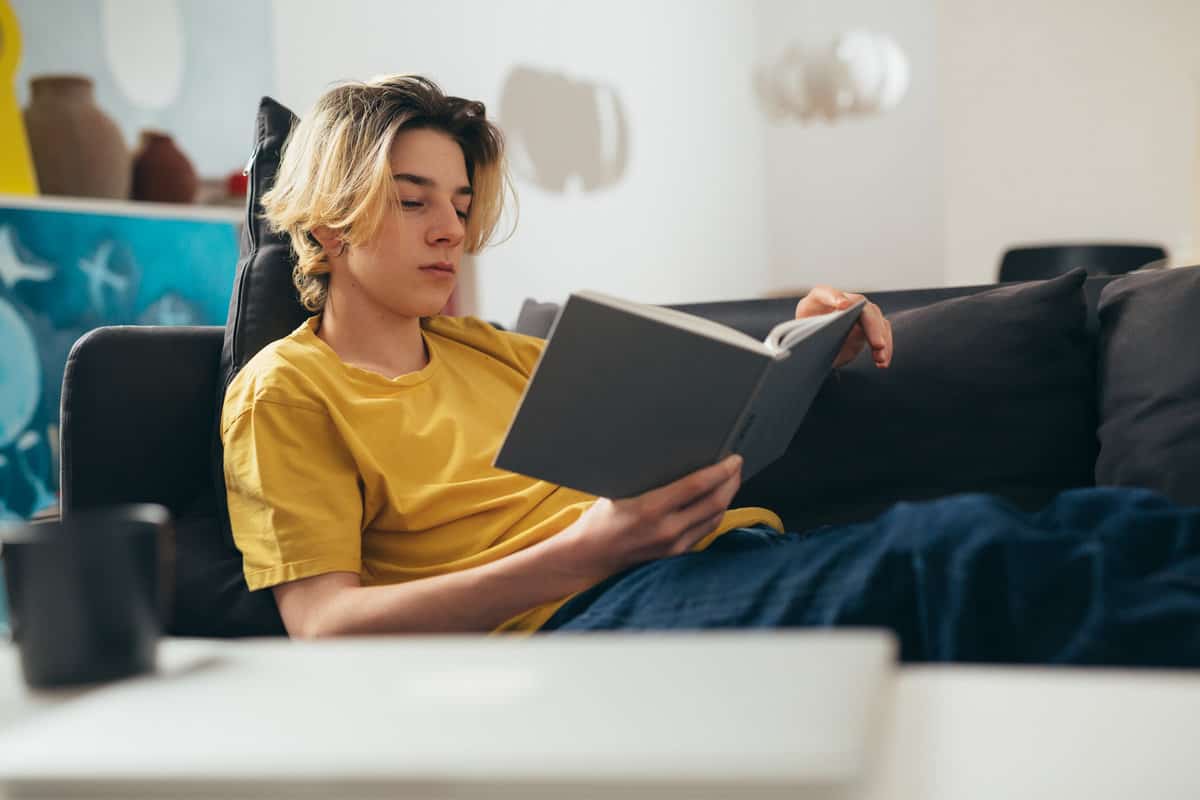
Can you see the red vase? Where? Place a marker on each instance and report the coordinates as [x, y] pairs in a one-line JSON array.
[[161, 172], [77, 149]]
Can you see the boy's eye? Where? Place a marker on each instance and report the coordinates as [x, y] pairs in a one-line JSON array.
[[411, 204]]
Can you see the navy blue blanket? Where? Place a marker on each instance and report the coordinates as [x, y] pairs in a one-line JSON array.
[[1100, 576]]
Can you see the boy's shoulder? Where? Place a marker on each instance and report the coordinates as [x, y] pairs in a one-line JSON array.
[[285, 371], [515, 350], [462, 328], [483, 336]]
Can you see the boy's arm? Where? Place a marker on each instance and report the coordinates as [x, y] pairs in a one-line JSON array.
[[610, 536], [472, 600]]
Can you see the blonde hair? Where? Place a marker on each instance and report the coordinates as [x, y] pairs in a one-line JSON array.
[[335, 170]]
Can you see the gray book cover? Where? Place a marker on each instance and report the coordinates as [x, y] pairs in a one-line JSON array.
[[627, 399]]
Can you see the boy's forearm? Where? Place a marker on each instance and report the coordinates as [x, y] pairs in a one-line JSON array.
[[472, 600]]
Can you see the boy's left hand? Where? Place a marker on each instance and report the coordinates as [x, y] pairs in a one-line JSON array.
[[872, 327]]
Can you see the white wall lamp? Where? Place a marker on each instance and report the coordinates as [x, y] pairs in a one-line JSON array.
[[857, 74]]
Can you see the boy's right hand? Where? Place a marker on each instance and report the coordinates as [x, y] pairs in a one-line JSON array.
[[615, 534]]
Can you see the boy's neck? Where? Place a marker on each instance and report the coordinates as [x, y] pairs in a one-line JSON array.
[[374, 340]]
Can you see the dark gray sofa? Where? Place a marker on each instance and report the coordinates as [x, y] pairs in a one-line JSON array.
[[1019, 416], [1021, 390]]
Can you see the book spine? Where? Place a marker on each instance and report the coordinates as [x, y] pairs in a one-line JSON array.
[[745, 420]]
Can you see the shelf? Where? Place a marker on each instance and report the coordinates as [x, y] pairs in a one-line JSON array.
[[124, 208]]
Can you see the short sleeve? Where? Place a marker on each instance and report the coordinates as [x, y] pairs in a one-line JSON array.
[[526, 350], [295, 503]]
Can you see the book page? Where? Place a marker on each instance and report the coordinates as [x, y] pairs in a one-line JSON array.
[[680, 319], [786, 335]]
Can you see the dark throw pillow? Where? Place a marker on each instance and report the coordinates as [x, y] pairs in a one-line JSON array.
[[1150, 383], [991, 392], [212, 598], [536, 318], [265, 305]]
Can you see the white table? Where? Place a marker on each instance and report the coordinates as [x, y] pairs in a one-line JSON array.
[[748, 715], [1031, 733], [768, 715]]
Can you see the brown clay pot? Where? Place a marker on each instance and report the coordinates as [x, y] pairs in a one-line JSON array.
[[161, 172], [77, 149]]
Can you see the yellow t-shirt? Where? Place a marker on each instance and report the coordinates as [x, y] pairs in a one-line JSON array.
[[333, 468]]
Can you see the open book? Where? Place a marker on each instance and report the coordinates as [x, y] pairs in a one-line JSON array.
[[629, 397]]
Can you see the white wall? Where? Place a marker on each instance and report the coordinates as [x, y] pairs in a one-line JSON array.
[[1025, 120], [686, 223], [857, 203], [1070, 119]]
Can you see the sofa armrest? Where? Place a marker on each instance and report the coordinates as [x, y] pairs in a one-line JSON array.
[[138, 415]]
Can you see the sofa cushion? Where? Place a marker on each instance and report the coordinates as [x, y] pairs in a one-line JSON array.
[[1149, 427], [264, 306], [536, 318], [991, 392]]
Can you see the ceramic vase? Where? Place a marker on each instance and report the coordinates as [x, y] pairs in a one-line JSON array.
[[161, 172], [77, 149]]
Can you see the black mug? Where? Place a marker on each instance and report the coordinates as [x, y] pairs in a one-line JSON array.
[[86, 593]]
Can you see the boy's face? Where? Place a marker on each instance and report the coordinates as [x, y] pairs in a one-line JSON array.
[[410, 268]]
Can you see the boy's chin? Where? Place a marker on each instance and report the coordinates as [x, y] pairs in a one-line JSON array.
[[432, 306]]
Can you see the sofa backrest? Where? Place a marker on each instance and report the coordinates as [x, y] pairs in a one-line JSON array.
[[756, 316]]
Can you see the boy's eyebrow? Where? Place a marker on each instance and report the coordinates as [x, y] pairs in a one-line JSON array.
[[421, 180]]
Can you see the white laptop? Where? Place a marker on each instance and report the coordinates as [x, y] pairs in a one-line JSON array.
[[778, 714]]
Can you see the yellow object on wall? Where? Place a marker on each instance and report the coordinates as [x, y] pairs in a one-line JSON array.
[[16, 167]]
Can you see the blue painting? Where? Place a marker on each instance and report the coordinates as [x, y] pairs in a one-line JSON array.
[[64, 271]]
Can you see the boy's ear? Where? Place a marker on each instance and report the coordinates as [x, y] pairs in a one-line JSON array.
[[326, 237]]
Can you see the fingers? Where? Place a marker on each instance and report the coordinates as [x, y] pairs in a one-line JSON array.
[[853, 345], [887, 361], [822, 300], [872, 328], [687, 489], [693, 534], [707, 507], [878, 333]]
